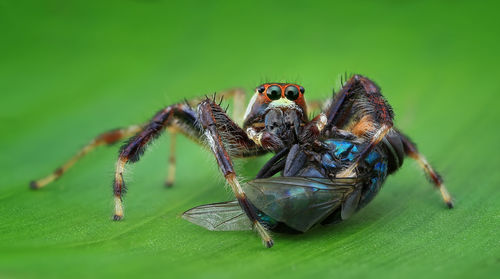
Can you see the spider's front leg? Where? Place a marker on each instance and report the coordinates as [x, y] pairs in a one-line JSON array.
[[185, 125], [238, 97], [227, 139]]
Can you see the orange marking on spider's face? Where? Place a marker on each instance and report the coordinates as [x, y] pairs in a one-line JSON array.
[[269, 92]]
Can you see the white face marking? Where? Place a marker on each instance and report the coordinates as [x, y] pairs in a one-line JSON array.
[[282, 103], [250, 105]]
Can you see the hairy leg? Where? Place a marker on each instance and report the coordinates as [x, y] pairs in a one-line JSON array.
[[116, 135], [222, 135], [411, 150], [171, 166], [360, 108], [238, 97], [359, 100], [108, 138], [179, 116], [182, 118]]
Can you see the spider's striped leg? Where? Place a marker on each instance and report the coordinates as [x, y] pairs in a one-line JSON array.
[[411, 150], [223, 135], [171, 166], [182, 119], [179, 117], [360, 108], [238, 96], [108, 138]]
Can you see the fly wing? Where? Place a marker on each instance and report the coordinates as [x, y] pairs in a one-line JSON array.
[[300, 202], [224, 216], [350, 205]]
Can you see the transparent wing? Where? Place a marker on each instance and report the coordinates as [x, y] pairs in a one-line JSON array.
[[224, 216], [302, 202]]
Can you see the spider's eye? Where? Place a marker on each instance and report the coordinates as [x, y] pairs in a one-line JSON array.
[[274, 92], [302, 90], [291, 93], [261, 89]]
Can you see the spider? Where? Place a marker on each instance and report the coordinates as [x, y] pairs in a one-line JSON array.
[[331, 165]]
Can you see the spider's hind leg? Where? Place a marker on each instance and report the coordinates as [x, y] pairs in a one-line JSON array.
[[107, 138], [169, 182], [411, 150]]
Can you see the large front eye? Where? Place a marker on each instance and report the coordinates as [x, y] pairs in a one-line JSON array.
[[274, 92], [291, 93]]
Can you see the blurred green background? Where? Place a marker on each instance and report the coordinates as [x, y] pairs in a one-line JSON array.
[[72, 69]]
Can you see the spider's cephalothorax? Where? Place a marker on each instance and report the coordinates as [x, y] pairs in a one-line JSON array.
[[330, 166], [275, 115]]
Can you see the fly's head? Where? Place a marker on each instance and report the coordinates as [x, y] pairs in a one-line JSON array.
[[279, 108]]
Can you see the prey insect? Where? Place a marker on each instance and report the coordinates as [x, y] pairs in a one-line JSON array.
[[323, 170]]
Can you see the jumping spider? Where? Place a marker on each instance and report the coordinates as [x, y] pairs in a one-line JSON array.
[[331, 165]]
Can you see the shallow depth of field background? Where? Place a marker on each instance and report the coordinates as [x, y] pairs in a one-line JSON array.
[[72, 69]]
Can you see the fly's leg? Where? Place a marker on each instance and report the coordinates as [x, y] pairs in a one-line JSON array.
[[223, 137], [106, 138], [411, 150]]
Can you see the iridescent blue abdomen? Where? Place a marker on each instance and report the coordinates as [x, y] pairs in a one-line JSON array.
[[309, 191], [342, 153]]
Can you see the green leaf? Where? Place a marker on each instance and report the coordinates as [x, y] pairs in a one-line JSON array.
[[70, 70]]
